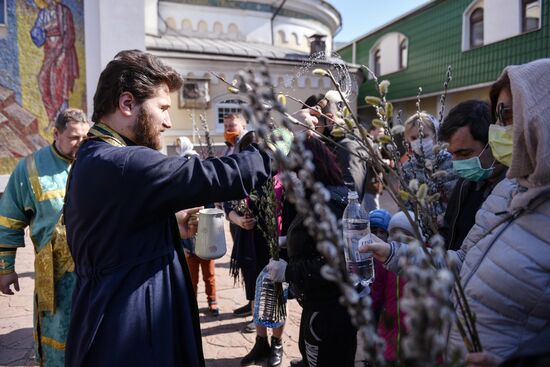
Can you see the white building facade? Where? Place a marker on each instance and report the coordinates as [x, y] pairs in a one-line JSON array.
[[197, 37], [201, 37]]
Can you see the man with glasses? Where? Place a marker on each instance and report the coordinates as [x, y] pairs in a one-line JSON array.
[[466, 130]]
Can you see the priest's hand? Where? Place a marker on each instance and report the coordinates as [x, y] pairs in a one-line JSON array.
[[276, 270], [188, 221], [193, 224], [6, 280]]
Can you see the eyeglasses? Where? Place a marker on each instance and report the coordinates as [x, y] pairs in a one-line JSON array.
[[504, 114]]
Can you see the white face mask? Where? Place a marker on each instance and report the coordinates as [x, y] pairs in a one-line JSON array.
[[425, 149]]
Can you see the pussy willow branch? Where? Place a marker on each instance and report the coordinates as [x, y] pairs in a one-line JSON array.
[[443, 97], [469, 315], [258, 111], [380, 166], [417, 206], [267, 207], [383, 117], [197, 131], [207, 138]]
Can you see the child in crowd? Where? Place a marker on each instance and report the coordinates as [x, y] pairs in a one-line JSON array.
[[388, 286], [187, 223]]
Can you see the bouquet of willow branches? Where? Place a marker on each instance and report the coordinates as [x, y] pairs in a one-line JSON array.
[[241, 207], [268, 211]]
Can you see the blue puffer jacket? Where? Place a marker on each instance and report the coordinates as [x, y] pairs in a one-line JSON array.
[[505, 268]]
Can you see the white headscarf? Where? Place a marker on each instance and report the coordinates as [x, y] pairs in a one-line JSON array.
[[399, 221]]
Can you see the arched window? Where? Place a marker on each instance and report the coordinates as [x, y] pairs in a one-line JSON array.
[[171, 23], [530, 15], [476, 28], [389, 54], [403, 53], [226, 107], [202, 27], [232, 28], [187, 25], [218, 28], [295, 39], [281, 37], [376, 61]]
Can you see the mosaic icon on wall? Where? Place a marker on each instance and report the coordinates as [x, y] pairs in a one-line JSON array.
[[54, 31], [42, 73]]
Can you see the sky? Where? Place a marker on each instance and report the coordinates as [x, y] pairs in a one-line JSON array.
[[361, 16]]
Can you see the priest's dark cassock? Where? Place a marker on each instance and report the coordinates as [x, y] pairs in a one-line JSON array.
[[133, 304]]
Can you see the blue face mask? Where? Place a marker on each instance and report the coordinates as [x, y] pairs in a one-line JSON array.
[[471, 168]]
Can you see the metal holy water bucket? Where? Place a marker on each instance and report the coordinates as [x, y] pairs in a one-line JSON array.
[[210, 240]]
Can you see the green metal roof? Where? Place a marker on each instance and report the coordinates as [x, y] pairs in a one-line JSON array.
[[346, 54], [435, 42]]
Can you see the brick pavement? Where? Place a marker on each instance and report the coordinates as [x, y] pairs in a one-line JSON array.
[[16, 339]]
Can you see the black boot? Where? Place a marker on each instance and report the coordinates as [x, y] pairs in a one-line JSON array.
[[276, 355], [259, 352], [297, 363]]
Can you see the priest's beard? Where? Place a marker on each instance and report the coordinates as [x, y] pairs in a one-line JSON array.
[[145, 132]]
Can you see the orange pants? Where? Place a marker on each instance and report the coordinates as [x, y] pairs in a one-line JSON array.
[[208, 275]]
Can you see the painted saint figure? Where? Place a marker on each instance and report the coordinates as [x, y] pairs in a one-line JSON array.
[[54, 30]]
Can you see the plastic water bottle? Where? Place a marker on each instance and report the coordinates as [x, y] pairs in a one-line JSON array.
[[269, 301], [355, 224]]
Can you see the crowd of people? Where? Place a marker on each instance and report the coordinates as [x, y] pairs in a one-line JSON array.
[[113, 222]]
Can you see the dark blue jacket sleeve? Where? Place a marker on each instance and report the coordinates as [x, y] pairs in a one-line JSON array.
[[172, 183]]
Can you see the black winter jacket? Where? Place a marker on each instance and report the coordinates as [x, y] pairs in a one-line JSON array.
[[304, 267], [465, 201]]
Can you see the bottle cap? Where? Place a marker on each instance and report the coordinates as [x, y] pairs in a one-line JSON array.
[[353, 195]]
